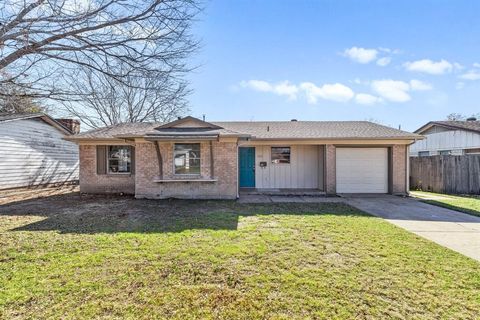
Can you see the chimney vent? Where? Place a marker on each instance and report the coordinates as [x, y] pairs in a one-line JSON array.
[[179, 118], [472, 119], [71, 124]]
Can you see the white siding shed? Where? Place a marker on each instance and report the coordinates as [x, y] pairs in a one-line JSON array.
[[33, 152]]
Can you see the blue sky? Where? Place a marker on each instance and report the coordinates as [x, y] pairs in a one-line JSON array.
[[400, 63]]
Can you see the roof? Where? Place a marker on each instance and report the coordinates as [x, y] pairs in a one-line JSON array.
[[317, 130], [261, 130], [19, 116], [454, 125], [4, 117]]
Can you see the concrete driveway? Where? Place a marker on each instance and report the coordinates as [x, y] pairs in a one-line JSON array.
[[455, 230]]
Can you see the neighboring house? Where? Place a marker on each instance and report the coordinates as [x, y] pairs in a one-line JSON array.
[[33, 151], [448, 138], [190, 158]]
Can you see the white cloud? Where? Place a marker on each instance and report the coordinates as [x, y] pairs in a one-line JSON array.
[[471, 75], [282, 89], [458, 66], [392, 90], [361, 55], [367, 99], [398, 91], [460, 85], [382, 62], [430, 67], [476, 65], [334, 92], [419, 85]]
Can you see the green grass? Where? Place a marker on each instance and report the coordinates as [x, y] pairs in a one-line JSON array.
[[115, 258], [467, 204]]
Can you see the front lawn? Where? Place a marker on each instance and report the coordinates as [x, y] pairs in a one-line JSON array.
[[69, 257], [467, 204]]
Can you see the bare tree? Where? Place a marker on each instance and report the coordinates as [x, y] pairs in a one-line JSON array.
[[14, 101], [455, 117], [140, 96], [461, 117], [42, 41]]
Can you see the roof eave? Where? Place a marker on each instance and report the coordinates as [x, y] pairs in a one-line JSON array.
[[419, 137], [444, 125]]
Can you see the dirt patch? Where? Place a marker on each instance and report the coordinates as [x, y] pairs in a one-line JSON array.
[[16, 195]]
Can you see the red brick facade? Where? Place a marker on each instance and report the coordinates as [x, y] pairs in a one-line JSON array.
[[91, 182], [399, 169], [225, 174], [222, 184]]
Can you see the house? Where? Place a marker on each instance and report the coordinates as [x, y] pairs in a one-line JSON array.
[[33, 151], [448, 138], [191, 158]]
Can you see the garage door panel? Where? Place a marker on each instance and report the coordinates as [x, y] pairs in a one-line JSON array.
[[362, 170]]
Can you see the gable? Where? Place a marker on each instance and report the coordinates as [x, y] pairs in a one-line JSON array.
[[188, 122], [436, 129]]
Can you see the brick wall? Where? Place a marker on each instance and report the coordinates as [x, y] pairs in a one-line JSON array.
[[399, 170], [330, 170], [91, 182], [225, 172]]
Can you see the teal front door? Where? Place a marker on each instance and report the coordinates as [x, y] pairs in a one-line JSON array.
[[247, 167]]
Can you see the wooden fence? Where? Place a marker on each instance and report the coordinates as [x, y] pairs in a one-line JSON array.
[[446, 174]]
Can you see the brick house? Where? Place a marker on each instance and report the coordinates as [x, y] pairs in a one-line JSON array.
[[191, 158]]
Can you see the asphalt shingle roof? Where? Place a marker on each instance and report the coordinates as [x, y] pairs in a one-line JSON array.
[[264, 130], [315, 129], [463, 125]]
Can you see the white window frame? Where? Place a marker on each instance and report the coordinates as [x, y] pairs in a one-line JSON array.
[[199, 158]]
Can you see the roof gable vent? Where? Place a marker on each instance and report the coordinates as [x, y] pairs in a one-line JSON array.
[[294, 120], [472, 119]]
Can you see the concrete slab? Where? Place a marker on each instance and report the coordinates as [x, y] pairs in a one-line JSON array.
[[286, 199], [254, 198], [452, 229]]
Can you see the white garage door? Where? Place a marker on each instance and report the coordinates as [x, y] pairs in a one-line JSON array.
[[362, 170]]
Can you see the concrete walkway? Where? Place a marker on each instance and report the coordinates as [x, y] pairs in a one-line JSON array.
[[455, 230]]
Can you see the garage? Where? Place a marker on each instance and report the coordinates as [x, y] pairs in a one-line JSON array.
[[362, 170]]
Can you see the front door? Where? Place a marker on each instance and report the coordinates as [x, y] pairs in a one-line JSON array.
[[247, 167]]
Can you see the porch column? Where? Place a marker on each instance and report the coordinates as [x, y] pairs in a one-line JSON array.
[[330, 170]]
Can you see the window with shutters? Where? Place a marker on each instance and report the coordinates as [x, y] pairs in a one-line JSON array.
[[119, 159]]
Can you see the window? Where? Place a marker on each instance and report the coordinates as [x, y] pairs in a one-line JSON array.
[[280, 154], [187, 158], [472, 151], [119, 159], [423, 153], [445, 152]]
